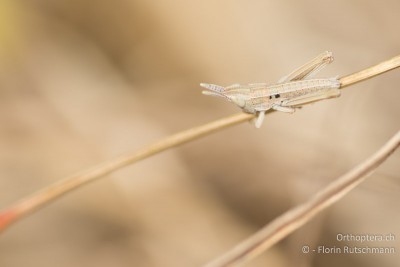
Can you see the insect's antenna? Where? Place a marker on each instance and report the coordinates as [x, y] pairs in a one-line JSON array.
[[213, 87], [215, 90], [214, 94]]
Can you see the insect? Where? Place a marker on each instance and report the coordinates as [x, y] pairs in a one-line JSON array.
[[289, 93]]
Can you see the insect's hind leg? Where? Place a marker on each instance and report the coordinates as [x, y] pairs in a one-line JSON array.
[[309, 69], [304, 99]]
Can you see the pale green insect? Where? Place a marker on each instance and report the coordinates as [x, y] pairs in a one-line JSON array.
[[289, 93]]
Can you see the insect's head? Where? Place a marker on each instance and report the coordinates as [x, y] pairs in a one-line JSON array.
[[216, 90], [240, 101]]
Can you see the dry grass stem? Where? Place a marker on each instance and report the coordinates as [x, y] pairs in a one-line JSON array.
[[298, 216], [54, 191], [370, 72]]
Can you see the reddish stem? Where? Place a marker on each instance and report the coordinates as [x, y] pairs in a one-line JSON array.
[[6, 218]]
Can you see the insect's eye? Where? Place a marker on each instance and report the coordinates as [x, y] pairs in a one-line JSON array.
[[277, 96], [270, 97]]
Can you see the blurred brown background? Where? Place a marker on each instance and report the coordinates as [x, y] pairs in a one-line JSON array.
[[83, 81]]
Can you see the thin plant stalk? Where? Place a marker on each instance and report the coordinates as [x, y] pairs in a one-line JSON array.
[[39, 199], [293, 219]]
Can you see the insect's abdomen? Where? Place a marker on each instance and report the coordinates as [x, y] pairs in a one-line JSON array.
[[296, 87]]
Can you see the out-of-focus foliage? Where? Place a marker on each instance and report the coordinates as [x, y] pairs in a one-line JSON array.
[[10, 29], [83, 81]]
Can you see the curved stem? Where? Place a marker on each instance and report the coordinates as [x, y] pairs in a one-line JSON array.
[[299, 215], [54, 191]]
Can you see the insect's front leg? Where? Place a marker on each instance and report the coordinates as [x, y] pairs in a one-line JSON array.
[[260, 119], [261, 114], [259, 106], [308, 98]]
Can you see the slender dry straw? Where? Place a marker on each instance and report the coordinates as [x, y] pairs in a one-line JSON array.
[[37, 200], [370, 72], [299, 215]]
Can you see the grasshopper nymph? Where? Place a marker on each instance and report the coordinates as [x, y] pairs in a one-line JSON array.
[[289, 93]]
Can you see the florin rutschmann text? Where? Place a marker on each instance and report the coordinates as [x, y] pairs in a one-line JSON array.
[[349, 248]]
